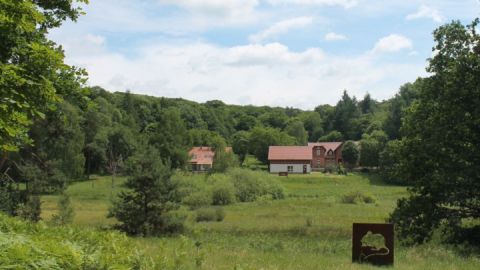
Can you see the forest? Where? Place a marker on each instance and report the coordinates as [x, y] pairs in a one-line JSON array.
[[57, 133]]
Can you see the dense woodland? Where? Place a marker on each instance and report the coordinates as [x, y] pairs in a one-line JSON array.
[[54, 129], [98, 133]]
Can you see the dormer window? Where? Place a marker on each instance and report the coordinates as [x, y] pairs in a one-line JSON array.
[[319, 152], [330, 153]]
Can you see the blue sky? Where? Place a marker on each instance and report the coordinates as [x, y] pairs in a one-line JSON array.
[[298, 53]]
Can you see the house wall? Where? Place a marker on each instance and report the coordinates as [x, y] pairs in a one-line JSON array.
[[201, 167], [278, 167], [320, 161]]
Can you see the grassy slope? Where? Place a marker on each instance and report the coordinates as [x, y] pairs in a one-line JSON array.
[[311, 229]]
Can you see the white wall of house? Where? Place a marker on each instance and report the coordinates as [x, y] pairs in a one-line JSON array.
[[296, 168]]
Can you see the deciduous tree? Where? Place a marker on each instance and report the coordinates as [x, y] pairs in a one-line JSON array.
[[441, 145]]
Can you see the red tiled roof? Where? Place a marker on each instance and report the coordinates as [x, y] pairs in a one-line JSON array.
[[203, 154], [327, 145], [289, 153]]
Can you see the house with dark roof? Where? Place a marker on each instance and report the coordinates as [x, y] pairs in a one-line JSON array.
[[304, 159], [201, 158]]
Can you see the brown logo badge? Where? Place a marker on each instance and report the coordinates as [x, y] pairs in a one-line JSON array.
[[372, 243]]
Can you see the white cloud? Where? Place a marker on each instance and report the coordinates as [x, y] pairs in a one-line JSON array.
[[269, 74], [221, 8], [270, 54], [425, 11], [342, 3], [281, 27], [392, 43], [332, 36], [95, 39]]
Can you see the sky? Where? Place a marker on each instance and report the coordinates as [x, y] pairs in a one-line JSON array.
[[295, 53]]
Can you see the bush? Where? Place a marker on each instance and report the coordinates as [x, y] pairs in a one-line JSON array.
[[329, 168], [31, 209], [249, 185], [357, 197], [341, 170], [209, 214], [66, 213], [198, 199], [222, 193]]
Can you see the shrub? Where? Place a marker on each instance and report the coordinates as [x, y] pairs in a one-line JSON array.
[[341, 170], [223, 193], [329, 168], [31, 209], [210, 214], [249, 185], [357, 197], [66, 213], [198, 199]]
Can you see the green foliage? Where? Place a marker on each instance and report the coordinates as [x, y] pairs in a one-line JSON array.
[[313, 125], [9, 196], [241, 144], [274, 119], [198, 199], [332, 136], [146, 207], [329, 168], [367, 104], [344, 114], [357, 197], [37, 246], [222, 190], [296, 129], [31, 209], [370, 148], [350, 154], [440, 145], [223, 160], [31, 66], [65, 211], [59, 141], [169, 135], [250, 185], [209, 214], [262, 138], [389, 163], [396, 111]]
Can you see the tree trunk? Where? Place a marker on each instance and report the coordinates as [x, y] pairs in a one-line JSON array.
[[3, 159]]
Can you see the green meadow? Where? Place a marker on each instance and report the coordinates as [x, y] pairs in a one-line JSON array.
[[309, 229]]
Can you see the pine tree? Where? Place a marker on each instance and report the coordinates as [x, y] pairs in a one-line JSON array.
[[146, 208], [65, 211]]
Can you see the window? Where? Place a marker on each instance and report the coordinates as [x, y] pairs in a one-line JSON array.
[[330, 153], [290, 168], [319, 152], [318, 162]]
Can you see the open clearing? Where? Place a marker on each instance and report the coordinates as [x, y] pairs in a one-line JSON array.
[[310, 229]]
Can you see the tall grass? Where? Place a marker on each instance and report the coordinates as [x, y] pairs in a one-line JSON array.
[[36, 246], [309, 229]]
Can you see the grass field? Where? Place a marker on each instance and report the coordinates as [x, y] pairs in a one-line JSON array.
[[310, 229]]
